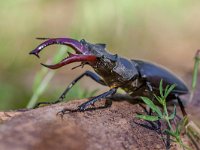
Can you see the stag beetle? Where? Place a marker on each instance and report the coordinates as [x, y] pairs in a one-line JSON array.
[[113, 71]]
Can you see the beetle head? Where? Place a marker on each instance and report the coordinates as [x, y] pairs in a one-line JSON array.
[[85, 52], [98, 50]]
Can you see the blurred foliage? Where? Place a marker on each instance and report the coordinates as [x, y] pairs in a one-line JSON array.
[[42, 79], [133, 28]]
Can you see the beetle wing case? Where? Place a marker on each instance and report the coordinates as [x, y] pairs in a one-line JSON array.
[[154, 73], [126, 68]]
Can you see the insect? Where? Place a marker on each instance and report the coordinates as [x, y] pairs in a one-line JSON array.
[[133, 76]]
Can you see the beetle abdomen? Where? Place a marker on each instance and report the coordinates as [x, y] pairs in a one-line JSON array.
[[154, 73]]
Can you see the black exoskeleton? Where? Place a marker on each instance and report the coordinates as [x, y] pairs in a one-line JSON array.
[[113, 71]]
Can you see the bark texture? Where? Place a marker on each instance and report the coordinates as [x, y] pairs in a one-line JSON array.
[[111, 128]]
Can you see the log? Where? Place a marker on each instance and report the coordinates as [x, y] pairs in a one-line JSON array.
[[110, 128]]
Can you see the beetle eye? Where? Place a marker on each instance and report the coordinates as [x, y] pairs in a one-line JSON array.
[[83, 41]]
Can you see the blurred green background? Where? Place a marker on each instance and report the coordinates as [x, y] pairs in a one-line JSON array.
[[166, 32]]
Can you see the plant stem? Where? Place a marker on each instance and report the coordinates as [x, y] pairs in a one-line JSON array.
[[40, 89], [45, 81], [195, 74], [167, 118]]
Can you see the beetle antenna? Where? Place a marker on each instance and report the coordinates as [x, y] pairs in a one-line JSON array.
[[42, 38], [81, 65]]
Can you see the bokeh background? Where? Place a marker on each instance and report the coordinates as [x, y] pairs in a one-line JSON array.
[[165, 32]]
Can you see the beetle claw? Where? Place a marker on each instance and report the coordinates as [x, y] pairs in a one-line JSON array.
[[76, 45], [50, 66], [33, 53], [72, 58]]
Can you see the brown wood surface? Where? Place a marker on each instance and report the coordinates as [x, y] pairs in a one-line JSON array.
[[109, 128]]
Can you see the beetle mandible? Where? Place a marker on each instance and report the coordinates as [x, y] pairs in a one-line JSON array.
[[113, 71]]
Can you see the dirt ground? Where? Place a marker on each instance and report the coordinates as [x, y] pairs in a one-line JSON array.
[[110, 128]]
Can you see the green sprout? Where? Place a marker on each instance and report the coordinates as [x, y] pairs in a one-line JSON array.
[[195, 73], [42, 79], [163, 114]]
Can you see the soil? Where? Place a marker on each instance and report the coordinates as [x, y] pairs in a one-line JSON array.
[[109, 128]]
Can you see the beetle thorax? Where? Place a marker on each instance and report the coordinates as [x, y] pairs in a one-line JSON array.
[[115, 73]]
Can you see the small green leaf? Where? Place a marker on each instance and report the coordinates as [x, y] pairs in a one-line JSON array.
[[172, 116], [152, 106], [159, 99], [148, 118], [169, 90], [177, 132], [161, 88], [170, 132], [166, 89]]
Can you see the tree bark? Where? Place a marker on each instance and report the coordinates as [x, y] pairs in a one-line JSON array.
[[111, 128]]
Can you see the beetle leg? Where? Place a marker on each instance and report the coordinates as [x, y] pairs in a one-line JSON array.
[[149, 110], [149, 86], [83, 106], [90, 74], [181, 105], [43, 103]]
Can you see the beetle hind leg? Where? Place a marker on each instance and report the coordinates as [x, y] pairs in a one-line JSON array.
[[151, 96], [181, 105]]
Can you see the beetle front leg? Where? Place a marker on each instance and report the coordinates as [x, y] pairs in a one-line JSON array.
[[83, 106], [90, 74]]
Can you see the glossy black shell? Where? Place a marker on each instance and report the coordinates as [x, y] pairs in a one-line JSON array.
[[153, 74]]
